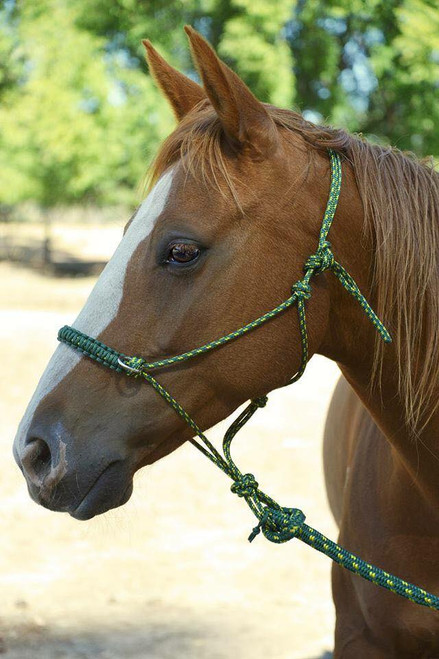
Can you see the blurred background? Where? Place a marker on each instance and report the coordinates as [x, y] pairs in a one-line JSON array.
[[171, 574]]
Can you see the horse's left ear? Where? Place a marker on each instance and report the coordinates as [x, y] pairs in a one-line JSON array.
[[182, 93], [245, 120]]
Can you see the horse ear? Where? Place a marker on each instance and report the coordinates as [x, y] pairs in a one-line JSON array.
[[245, 119], [182, 92]]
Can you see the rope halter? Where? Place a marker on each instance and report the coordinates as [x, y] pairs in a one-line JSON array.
[[277, 524]]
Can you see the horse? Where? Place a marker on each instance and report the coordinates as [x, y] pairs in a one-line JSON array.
[[236, 199]]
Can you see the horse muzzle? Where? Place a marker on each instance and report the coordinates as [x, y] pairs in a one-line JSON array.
[[63, 481]]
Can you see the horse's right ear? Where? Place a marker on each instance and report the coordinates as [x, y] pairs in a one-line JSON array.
[[245, 120], [182, 92]]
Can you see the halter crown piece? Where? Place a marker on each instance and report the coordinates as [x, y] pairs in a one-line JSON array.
[[277, 523]]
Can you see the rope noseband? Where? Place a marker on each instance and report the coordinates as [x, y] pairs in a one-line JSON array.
[[278, 524]]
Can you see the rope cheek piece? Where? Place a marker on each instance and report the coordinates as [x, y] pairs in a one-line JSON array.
[[278, 524]]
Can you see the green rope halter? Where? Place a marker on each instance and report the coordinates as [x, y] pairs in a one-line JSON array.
[[278, 524]]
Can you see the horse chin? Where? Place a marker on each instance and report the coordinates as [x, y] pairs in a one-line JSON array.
[[109, 490]]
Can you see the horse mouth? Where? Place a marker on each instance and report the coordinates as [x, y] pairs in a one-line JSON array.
[[109, 490]]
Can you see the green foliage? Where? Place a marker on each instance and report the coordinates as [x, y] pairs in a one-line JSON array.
[[404, 106], [80, 117], [370, 66], [84, 123], [252, 43], [11, 59]]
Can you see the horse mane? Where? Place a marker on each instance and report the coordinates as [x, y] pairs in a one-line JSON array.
[[400, 197]]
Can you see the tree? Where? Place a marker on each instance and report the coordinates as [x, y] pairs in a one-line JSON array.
[[84, 122], [81, 118], [370, 66]]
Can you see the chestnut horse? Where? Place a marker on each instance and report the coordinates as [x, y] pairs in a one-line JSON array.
[[237, 197]]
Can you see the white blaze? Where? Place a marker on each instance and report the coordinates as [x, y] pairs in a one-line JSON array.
[[104, 300]]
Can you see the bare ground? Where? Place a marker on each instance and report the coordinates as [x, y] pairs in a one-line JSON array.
[[170, 574]]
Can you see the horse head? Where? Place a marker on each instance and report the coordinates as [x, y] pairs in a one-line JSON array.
[[234, 210]]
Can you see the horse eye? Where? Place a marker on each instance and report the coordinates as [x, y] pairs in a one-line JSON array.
[[183, 253]]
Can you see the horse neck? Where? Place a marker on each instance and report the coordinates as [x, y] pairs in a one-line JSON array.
[[350, 341]]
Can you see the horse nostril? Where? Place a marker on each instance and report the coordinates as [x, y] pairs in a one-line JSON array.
[[36, 460]]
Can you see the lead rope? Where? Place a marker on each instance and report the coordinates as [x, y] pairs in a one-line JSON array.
[[277, 523]]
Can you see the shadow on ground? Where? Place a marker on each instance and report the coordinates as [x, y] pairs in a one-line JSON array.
[[160, 642], [166, 640], [39, 254]]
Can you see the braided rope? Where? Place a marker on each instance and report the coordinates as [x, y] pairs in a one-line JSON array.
[[278, 524]]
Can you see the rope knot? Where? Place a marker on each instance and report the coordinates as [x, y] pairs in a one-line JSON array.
[[133, 366], [245, 486], [323, 259], [279, 524], [260, 402], [302, 290]]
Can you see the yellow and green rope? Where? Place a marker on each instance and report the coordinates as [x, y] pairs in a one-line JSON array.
[[278, 524]]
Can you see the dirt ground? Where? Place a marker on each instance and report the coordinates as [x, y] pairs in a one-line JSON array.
[[170, 574]]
